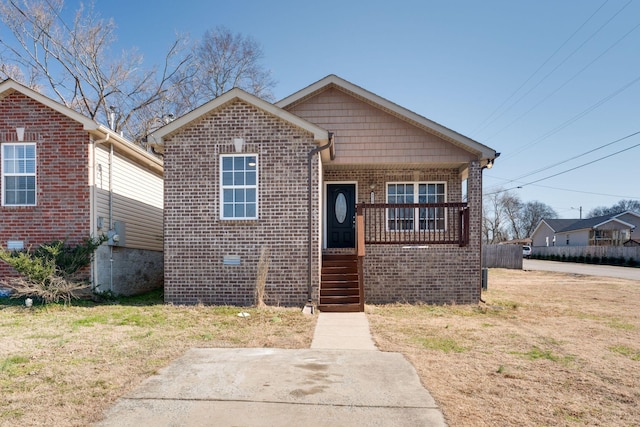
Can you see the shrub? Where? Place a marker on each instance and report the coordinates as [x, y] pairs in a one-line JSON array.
[[563, 258], [580, 259], [49, 271]]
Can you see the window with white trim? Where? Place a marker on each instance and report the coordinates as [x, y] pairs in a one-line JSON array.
[[239, 186], [19, 174], [429, 219]]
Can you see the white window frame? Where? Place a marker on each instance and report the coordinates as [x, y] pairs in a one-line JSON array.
[[416, 214], [224, 187], [6, 174]]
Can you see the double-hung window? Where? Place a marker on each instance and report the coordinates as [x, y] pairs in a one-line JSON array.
[[416, 219], [239, 186], [19, 174]]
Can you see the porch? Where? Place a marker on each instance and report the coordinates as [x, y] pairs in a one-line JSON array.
[[392, 225]]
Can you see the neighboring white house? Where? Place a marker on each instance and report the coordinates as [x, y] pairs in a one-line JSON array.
[[607, 230]]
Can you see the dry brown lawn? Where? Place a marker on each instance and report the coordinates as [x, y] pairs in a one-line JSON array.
[[547, 349], [63, 366]]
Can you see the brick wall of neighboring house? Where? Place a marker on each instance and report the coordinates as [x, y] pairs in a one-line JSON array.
[[436, 274], [196, 239], [63, 197]]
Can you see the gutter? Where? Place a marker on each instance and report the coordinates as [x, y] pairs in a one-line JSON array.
[[312, 153]]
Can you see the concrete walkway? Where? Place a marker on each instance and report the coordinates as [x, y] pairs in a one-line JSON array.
[[342, 331], [341, 381]]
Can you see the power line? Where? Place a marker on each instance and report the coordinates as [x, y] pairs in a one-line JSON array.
[[568, 122], [578, 156], [562, 189], [482, 125], [554, 69], [574, 168]]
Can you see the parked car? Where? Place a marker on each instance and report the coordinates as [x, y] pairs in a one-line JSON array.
[[526, 251]]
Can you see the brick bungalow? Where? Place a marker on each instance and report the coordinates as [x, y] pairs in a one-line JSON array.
[[356, 198], [67, 177]]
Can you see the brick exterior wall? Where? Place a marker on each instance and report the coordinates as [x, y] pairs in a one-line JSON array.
[[63, 195], [438, 274], [196, 239]]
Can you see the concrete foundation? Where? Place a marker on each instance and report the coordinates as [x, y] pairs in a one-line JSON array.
[[132, 271]]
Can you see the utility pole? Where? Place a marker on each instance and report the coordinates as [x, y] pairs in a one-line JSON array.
[[579, 209]]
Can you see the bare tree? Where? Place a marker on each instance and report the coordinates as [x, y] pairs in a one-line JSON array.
[[512, 206], [621, 206], [221, 61], [73, 61], [494, 218], [506, 217], [531, 214]]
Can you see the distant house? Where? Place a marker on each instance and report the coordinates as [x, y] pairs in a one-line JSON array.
[[357, 199], [606, 230], [67, 177]]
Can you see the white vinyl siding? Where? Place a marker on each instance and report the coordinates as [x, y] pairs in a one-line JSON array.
[[137, 200], [19, 174]]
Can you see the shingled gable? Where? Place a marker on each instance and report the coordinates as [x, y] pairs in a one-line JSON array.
[[97, 130], [484, 154], [157, 138]]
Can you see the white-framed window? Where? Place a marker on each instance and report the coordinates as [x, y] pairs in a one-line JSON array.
[[428, 219], [239, 186], [19, 174]]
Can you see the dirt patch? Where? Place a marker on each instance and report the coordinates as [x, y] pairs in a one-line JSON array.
[[545, 349], [63, 366]]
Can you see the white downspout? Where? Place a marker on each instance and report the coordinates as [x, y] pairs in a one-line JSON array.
[[111, 216]]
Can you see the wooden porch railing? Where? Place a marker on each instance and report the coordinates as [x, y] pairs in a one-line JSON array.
[[360, 251], [414, 223]]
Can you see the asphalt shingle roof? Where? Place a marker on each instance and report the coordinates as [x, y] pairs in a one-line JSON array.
[[564, 225]]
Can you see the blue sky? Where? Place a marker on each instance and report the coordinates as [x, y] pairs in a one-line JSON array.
[[459, 63]]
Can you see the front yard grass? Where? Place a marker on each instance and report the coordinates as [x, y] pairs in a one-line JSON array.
[[546, 349], [64, 365]]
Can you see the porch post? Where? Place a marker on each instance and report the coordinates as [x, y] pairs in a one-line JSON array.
[[474, 201]]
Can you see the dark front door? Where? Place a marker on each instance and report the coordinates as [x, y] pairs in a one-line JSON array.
[[341, 214]]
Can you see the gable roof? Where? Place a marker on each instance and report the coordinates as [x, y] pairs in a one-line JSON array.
[[570, 225], [483, 152], [97, 130], [558, 225], [158, 136]]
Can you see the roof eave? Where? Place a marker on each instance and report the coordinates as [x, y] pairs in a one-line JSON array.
[[320, 135], [483, 152]]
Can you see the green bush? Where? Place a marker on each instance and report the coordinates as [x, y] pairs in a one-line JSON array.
[[48, 272]]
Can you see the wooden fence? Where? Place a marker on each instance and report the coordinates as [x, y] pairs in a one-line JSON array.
[[502, 256]]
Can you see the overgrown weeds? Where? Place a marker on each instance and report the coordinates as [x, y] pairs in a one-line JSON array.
[[50, 271]]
